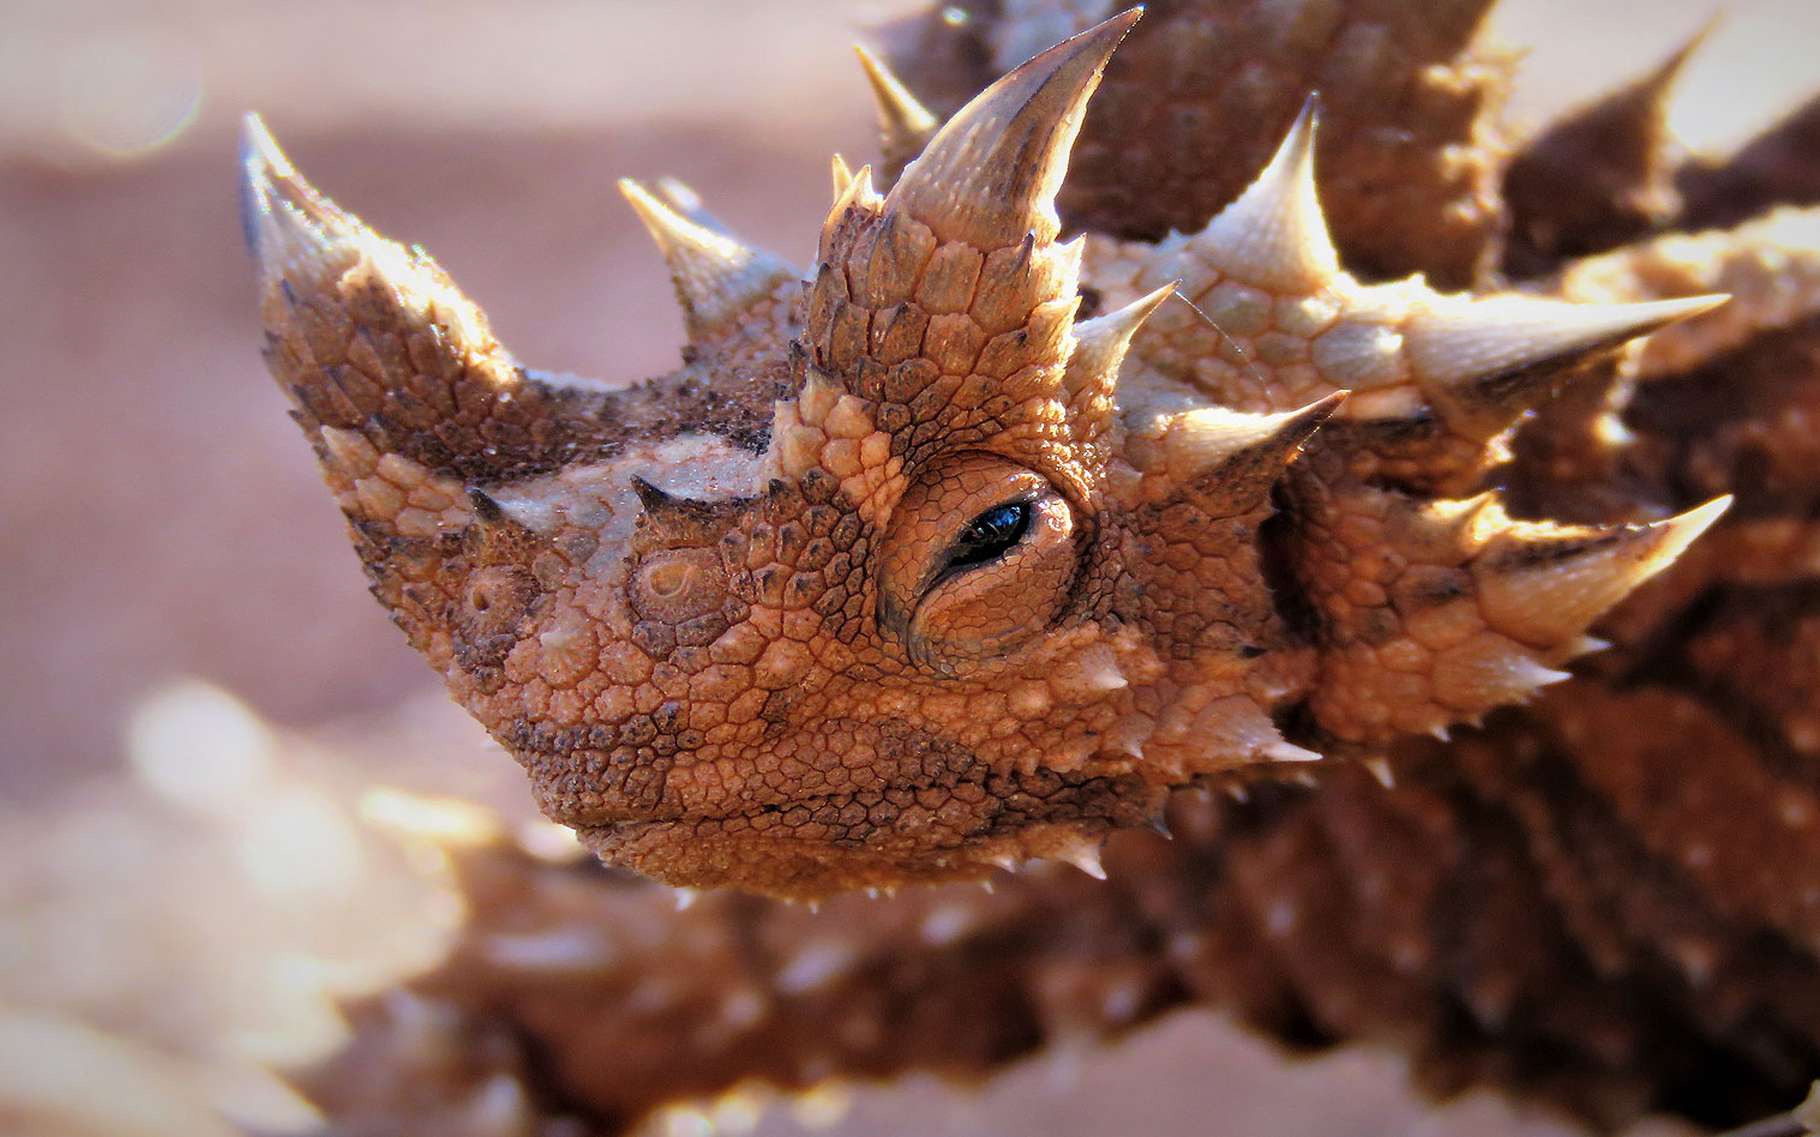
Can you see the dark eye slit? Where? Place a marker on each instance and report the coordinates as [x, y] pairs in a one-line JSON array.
[[990, 535]]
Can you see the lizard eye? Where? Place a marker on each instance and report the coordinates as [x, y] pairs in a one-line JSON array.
[[980, 555], [990, 536]]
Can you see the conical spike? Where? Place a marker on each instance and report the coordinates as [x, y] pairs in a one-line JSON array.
[[681, 197], [1100, 343], [857, 193], [1457, 340], [1489, 671], [1658, 87], [654, 499], [716, 276], [1604, 174], [842, 175], [487, 509], [905, 126], [1086, 857], [991, 174], [1286, 751], [1586, 645], [1641, 108], [1240, 454], [285, 219], [1274, 236], [1090, 381], [495, 536], [1543, 586]]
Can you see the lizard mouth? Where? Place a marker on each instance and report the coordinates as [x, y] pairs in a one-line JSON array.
[[813, 845], [608, 778]]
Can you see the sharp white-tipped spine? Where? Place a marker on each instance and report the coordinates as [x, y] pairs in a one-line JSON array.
[[1457, 339], [1274, 235], [716, 276], [904, 123]]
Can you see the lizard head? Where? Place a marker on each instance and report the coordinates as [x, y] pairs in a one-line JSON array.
[[909, 571]]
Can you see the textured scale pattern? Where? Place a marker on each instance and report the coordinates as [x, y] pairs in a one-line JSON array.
[[1290, 559]]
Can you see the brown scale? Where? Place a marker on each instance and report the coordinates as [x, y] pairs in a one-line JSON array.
[[755, 667]]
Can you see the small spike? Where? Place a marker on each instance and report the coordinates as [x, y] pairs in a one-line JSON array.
[[905, 126], [1587, 645], [1095, 670], [1100, 343], [1655, 91], [654, 500], [487, 509], [858, 192], [1604, 174], [842, 175], [991, 174], [1274, 236], [1489, 671], [1543, 586], [1086, 857], [715, 275], [1209, 437], [1105, 676], [1283, 750], [1380, 769], [681, 197], [685, 898], [1640, 110]]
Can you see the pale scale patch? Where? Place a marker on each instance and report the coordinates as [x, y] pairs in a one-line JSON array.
[[598, 496]]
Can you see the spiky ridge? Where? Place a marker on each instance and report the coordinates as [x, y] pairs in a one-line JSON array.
[[1416, 605], [1412, 163]]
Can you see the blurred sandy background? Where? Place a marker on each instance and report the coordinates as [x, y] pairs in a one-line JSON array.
[[189, 875]]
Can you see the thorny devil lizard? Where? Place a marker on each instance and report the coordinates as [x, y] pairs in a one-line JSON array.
[[980, 545]]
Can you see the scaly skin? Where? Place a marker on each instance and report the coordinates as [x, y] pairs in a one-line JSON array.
[[1223, 558], [791, 669]]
